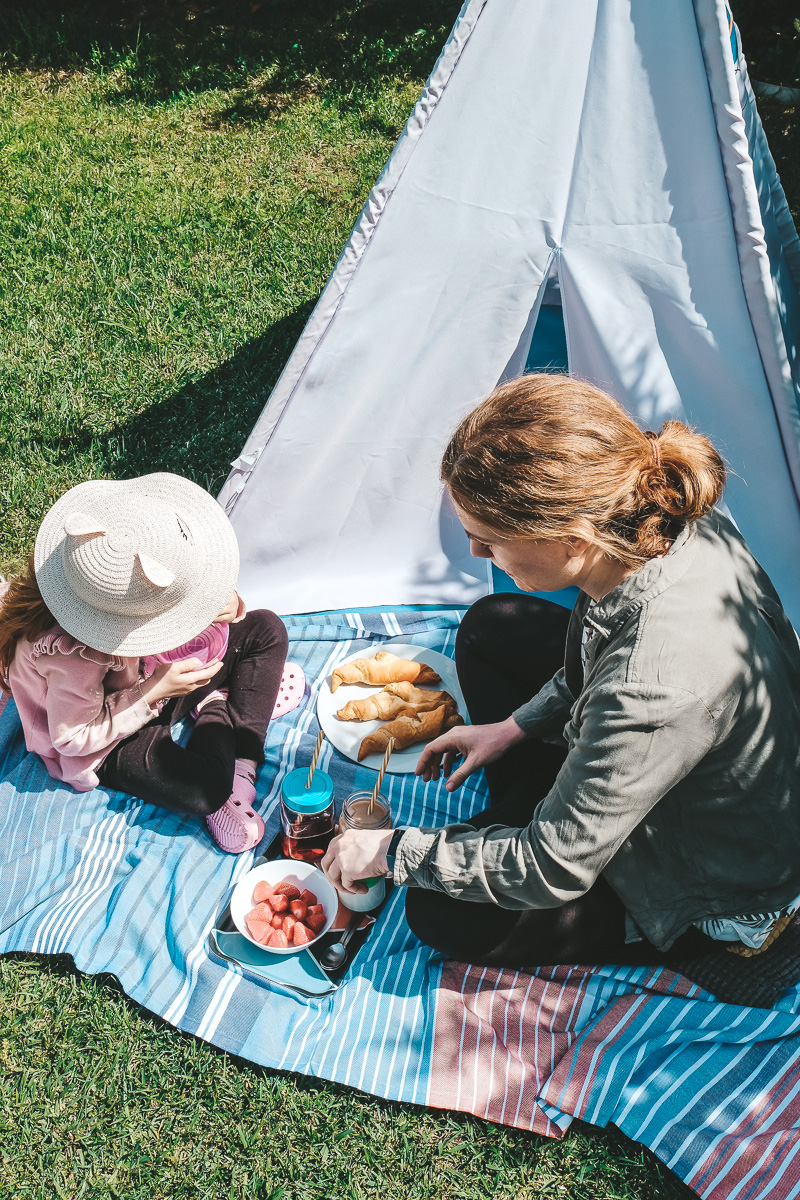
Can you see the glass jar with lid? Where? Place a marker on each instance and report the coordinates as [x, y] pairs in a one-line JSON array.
[[307, 819], [356, 815]]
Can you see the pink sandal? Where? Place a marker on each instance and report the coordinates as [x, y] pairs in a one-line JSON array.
[[236, 826]]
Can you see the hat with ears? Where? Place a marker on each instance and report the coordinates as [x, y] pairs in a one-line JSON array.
[[136, 567]]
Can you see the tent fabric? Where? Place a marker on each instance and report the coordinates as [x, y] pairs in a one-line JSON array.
[[613, 144], [133, 890]]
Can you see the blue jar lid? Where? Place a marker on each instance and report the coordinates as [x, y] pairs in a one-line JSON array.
[[307, 800]]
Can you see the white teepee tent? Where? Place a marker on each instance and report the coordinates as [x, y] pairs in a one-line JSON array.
[[611, 146]]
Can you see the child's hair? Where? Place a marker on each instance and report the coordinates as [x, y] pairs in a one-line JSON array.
[[550, 457], [23, 613]]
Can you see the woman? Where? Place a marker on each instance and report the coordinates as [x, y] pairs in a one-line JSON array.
[[646, 799]]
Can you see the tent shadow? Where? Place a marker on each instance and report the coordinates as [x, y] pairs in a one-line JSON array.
[[199, 429]]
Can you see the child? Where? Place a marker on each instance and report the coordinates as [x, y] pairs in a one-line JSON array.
[[124, 570]]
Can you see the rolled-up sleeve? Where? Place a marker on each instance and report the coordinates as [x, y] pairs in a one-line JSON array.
[[632, 745]]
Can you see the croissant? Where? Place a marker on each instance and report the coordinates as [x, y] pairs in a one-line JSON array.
[[410, 728], [383, 706], [421, 698], [383, 668]]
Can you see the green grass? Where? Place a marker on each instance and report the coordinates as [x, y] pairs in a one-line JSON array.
[[99, 1099], [175, 186]]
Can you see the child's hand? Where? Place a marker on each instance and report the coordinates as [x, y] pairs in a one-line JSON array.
[[229, 612], [178, 679]]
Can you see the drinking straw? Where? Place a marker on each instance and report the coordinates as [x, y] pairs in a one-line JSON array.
[[381, 774], [314, 757]]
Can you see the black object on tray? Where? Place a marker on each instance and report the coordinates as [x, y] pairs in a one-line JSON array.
[[295, 972]]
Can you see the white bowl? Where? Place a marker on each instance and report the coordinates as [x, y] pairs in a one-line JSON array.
[[284, 870]]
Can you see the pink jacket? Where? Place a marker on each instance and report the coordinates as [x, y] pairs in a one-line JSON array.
[[75, 704]]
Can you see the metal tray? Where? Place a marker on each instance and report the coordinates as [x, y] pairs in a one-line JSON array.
[[301, 972]]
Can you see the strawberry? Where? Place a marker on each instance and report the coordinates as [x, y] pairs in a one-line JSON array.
[[301, 934], [264, 912], [288, 890], [298, 909], [278, 940], [316, 921], [279, 902], [315, 908], [308, 898], [262, 891], [258, 929], [277, 921], [288, 925]]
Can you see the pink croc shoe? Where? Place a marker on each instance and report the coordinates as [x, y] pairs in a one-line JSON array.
[[236, 826], [290, 693]]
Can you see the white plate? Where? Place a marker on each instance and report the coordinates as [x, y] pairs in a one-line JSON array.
[[284, 870], [347, 736]]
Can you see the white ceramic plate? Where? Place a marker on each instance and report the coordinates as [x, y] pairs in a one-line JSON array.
[[284, 870], [347, 736]]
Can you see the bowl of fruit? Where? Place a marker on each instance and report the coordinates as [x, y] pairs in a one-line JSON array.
[[283, 906]]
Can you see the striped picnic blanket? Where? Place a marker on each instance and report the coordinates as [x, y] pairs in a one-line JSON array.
[[130, 889]]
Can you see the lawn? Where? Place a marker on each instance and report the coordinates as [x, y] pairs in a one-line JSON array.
[[177, 182]]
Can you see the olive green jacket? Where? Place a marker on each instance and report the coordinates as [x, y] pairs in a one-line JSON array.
[[681, 784]]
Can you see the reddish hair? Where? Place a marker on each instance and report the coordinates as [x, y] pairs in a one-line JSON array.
[[23, 613], [546, 456]]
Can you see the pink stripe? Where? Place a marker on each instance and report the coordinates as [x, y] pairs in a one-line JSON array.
[[494, 1025], [573, 1076], [747, 1155]]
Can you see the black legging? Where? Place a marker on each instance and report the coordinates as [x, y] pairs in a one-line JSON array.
[[507, 648], [198, 779]]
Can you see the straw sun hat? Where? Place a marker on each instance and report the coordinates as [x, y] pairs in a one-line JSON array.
[[135, 567]]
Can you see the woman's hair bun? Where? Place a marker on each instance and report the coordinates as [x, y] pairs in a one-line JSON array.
[[682, 473], [681, 479]]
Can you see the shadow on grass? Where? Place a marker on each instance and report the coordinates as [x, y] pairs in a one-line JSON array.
[[198, 430], [158, 50], [201, 428]]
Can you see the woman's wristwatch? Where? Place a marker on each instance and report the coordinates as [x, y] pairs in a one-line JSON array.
[[391, 852]]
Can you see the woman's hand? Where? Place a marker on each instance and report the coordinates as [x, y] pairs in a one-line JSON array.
[[178, 679], [229, 612], [355, 855], [476, 744]]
